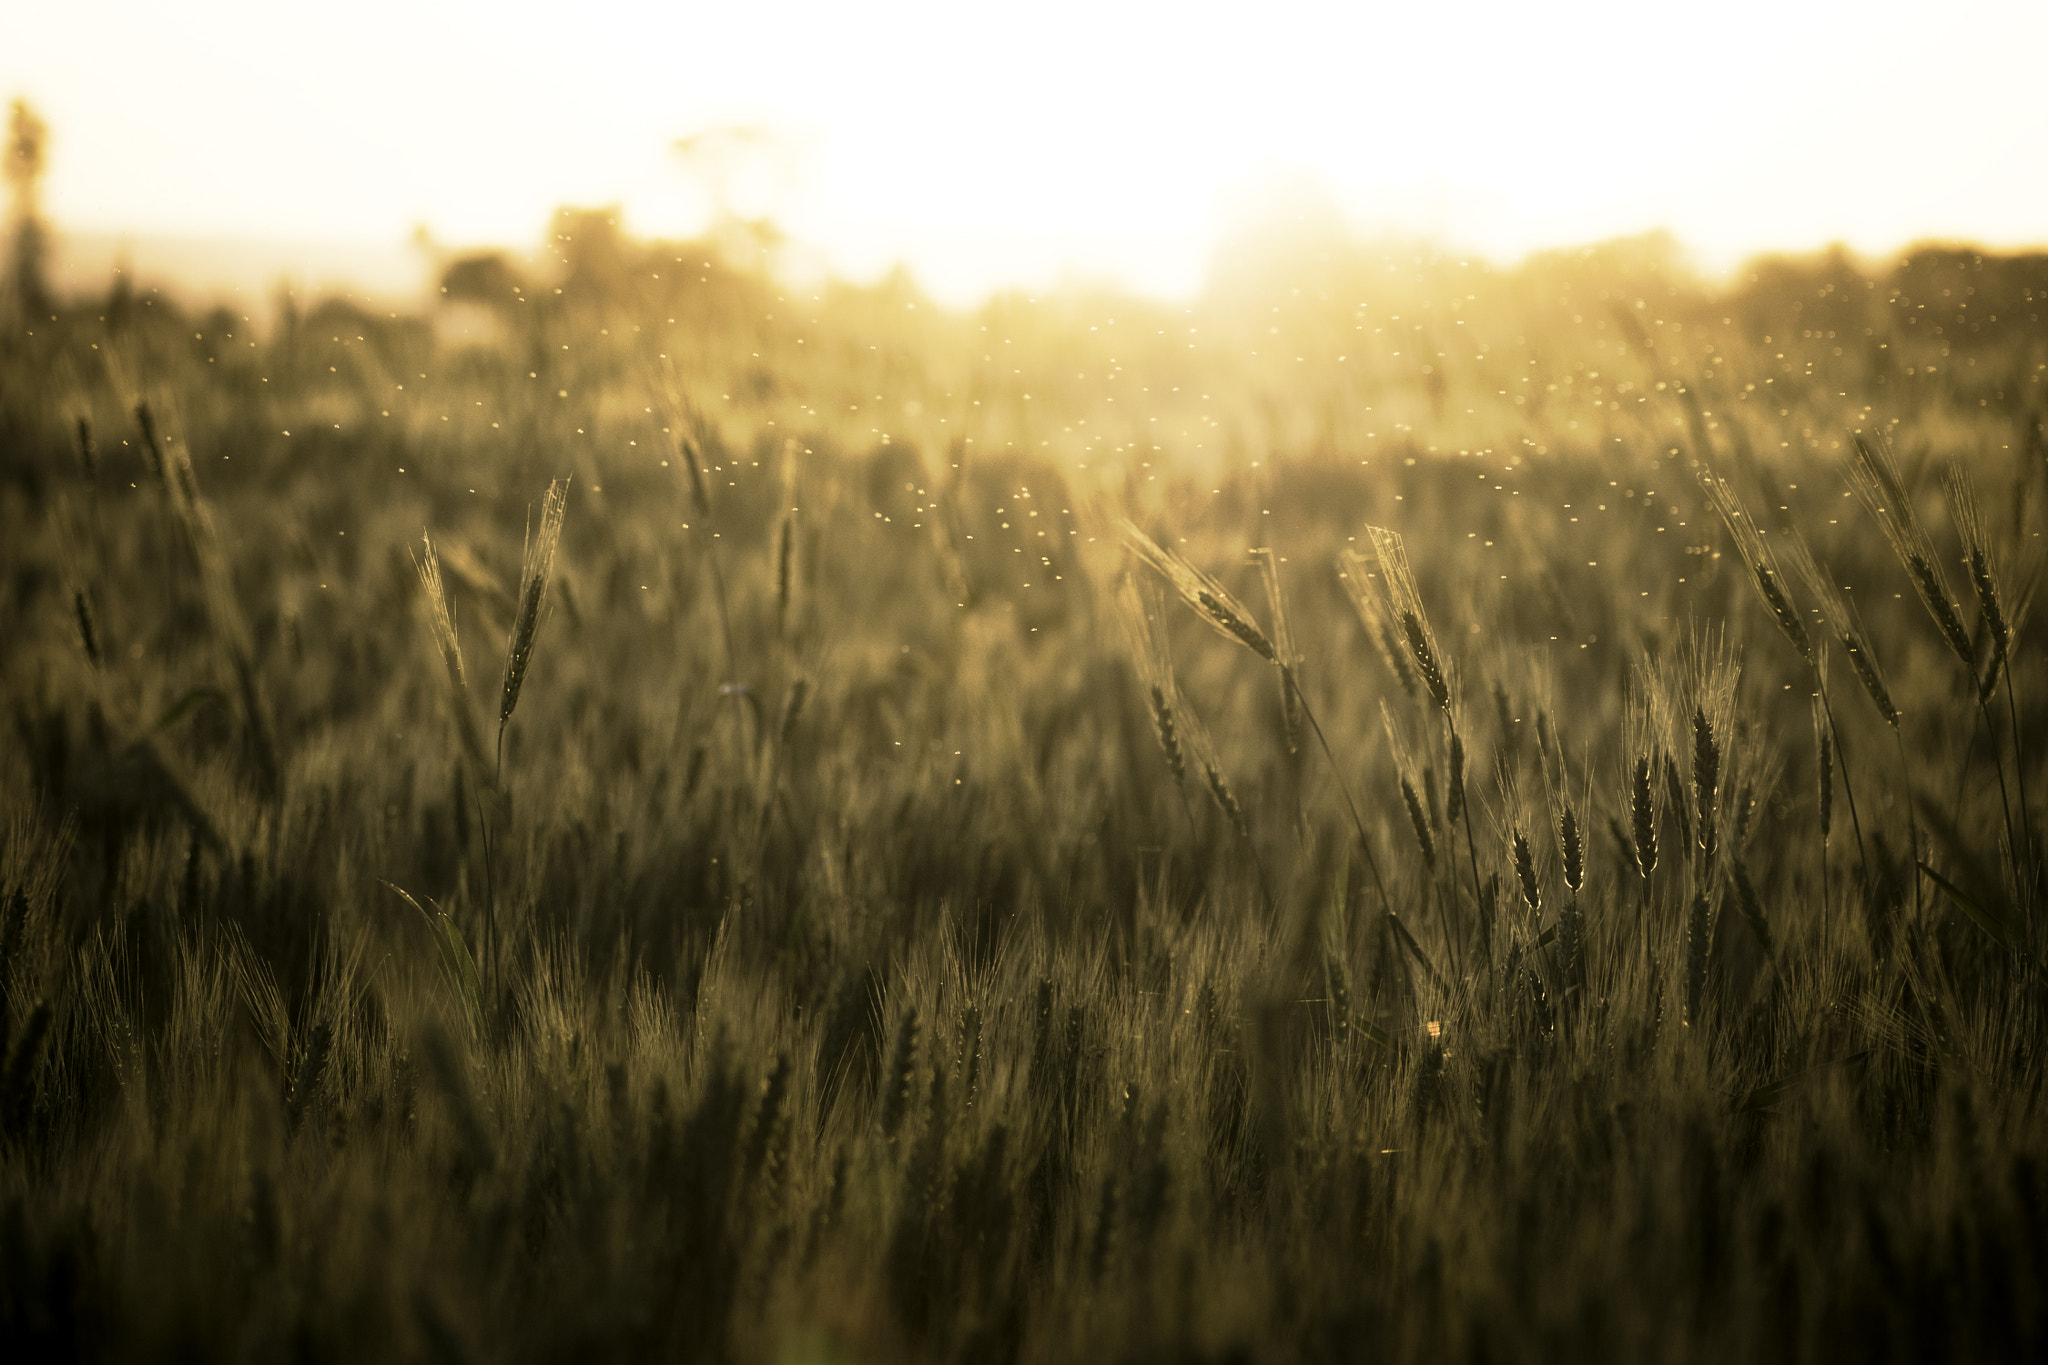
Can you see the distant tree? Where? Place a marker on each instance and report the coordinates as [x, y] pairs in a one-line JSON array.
[[484, 278], [598, 257], [27, 142]]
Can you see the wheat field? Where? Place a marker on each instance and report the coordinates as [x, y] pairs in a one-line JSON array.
[[1408, 810]]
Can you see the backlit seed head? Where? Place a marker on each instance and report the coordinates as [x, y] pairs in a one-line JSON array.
[[1574, 850], [1525, 871], [1643, 813], [1424, 840]]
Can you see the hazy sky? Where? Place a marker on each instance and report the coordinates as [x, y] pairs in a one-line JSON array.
[[988, 144]]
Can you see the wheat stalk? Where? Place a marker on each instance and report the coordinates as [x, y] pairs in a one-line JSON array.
[[1969, 524], [1400, 603], [1763, 566], [1229, 617]]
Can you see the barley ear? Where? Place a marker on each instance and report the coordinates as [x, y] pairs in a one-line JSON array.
[[1213, 602], [1969, 523], [1847, 626], [1574, 849], [1226, 800], [1873, 472], [1699, 941], [1169, 736], [1758, 559], [1706, 777], [1416, 817], [1525, 872], [1643, 816], [427, 564], [1403, 607], [441, 619], [535, 569]]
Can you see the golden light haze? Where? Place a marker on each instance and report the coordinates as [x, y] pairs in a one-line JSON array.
[[990, 145]]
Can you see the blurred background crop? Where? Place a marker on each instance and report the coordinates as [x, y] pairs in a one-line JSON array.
[[232, 142]]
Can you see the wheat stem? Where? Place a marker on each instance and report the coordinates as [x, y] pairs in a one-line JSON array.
[[1842, 765], [2020, 775], [1372, 862]]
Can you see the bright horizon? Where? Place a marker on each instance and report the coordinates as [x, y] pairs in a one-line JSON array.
[[992, 147]]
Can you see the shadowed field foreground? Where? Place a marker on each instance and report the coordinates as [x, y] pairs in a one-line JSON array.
[[921, 890]]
